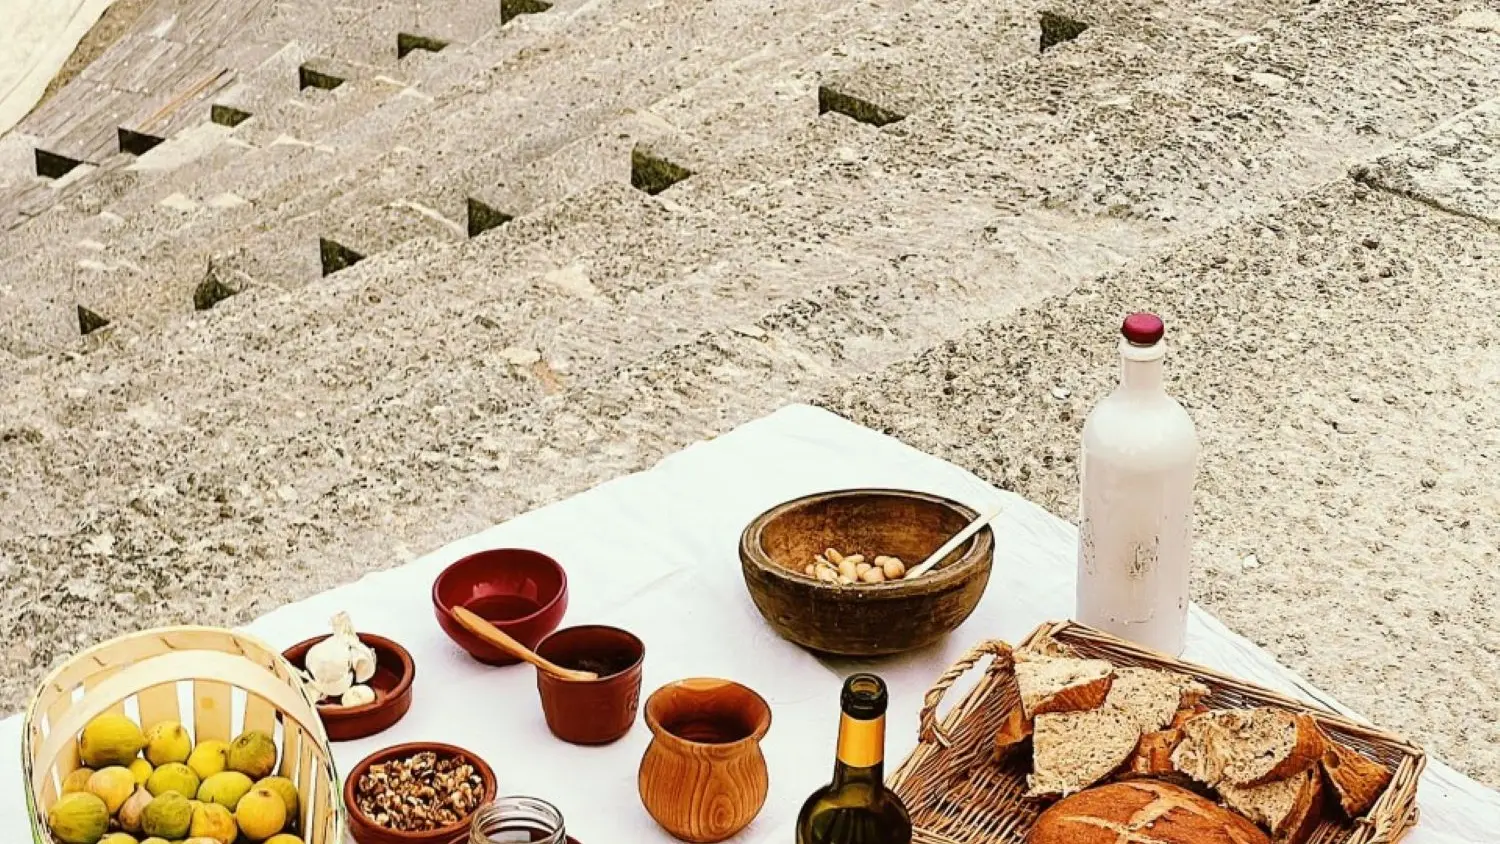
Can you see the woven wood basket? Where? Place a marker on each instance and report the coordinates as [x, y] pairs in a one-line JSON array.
[[218, 683], [958, 792]]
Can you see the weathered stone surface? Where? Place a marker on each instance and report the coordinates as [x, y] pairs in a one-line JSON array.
[[1456, 166]]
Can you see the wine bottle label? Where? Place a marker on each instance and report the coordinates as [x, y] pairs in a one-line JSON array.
[[861, 743]]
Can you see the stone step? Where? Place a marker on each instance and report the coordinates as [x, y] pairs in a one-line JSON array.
[[300, 257], [1121, 154]]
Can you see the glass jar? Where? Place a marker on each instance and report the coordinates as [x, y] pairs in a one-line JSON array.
[[518, 820]]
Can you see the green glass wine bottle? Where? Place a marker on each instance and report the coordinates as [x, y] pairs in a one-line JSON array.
[[857, 808]]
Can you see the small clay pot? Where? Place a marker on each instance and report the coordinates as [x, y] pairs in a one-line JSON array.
[[392, 684], [591, 711], [364, 829]]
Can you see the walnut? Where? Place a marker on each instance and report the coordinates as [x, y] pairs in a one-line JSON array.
[[419, 793]]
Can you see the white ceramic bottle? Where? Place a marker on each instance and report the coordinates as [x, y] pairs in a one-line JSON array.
[[1140, 455]]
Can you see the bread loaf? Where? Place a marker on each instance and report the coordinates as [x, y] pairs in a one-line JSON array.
[[1141, 812], [1356, 781], [1247, 747]]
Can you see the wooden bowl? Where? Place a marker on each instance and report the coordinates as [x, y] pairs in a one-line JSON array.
[[392, 683], [864, 619], [366, 831], [524, 593]]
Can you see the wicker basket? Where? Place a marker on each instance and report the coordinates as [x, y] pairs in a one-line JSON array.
[[959, 793], [229, 682]]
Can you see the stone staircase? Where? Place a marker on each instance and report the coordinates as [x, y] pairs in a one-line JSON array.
[[867, 180]]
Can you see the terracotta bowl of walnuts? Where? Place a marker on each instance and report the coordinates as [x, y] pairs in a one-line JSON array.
[[378, 792]]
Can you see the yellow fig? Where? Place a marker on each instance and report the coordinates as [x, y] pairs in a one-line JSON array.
[[213, 822], [261, 814], [80, 818], [168, 816], [285, 789], [283, 838], [118, 838], [77, 781], [209, 758], [168, 742], [253, 754], [113, 785], [225, 788], [173, 776], [110, 739]]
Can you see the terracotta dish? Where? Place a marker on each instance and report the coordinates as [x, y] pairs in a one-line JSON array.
[[596, 711], [864, 619], [366, 831], [524, 593], [392, 683]]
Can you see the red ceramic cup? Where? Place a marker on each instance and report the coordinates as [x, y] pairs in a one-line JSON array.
[[591, 711], [524, 593]]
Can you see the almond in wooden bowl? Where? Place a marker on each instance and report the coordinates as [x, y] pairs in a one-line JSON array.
[[865, 619]]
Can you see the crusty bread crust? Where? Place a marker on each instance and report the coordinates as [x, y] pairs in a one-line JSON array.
[[1356, 780], [1013, 732], [1141, 812], [1305, 754], [1188, 711], [1090, 695], [1153, 756], [1306, 814]]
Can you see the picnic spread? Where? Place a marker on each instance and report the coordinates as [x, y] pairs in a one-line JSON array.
[[654, 660]]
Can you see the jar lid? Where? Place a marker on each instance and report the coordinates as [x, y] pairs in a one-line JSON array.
[[1143, 329]]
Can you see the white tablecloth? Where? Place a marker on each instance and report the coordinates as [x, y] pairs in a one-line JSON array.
[[655, 553]]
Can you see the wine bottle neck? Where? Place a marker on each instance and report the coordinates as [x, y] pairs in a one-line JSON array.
[[861, 752]]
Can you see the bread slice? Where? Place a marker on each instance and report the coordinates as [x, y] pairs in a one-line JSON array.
[[1357, 781], [1073, 750], [1061, 684], [1015, 730], [1153, 755], [1247, 747], [1153, 697], [1288, 809]]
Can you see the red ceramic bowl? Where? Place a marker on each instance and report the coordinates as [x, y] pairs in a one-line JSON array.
[[394, 673], [366, 831], [524, 593]]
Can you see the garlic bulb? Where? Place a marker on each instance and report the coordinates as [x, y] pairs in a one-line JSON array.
[[358, 696], [332, 687], [335, 664]]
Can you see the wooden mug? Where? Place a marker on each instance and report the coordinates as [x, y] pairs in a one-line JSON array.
[[703, 778]]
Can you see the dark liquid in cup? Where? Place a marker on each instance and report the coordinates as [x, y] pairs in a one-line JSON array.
[[502, 607], [605, 665], [708, 730]]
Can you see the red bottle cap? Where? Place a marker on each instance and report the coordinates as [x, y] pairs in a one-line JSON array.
[[1143, 329]]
